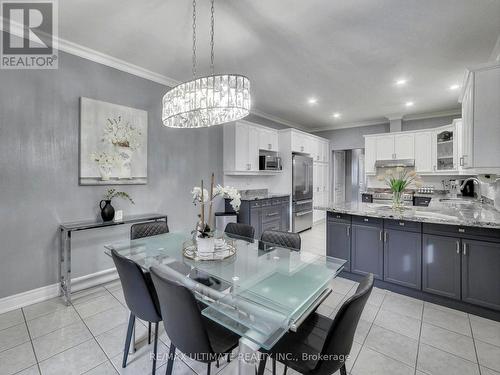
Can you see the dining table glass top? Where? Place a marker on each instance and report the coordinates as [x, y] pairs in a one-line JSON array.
[[258, 293]]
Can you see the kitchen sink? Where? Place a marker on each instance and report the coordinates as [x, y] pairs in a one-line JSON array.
[[458, 201]]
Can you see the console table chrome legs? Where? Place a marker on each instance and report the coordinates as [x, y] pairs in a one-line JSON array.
[[65, 265]]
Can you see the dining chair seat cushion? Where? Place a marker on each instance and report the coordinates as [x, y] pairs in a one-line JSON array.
[[304, 345]]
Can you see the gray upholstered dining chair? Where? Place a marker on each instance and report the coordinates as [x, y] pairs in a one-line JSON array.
[[327, 342], [141, 299], [237, 230], [279, 238], [189, 331], [150, 228]]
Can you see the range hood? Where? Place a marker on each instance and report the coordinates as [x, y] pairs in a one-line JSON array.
[[395, 163]]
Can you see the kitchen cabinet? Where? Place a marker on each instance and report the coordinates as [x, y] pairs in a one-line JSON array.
[[384, 146], [367, 247], [268, 139], [404, 146], [441, 265], [320, 188], [480, 270], [300, 142], [444, 149], [423, 152], [338, 238], [403, 256], [241, 147], [481, 117], [370, 155], [285, 214]]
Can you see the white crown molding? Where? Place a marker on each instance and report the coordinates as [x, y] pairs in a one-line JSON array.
[[280, 120], [44, 293], [423, 116], [355, 124]]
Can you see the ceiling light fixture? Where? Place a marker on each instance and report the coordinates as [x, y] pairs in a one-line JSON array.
[[454, 87], [336, 115], [409, 104], [401, 82], [210, 100], [312, 101]]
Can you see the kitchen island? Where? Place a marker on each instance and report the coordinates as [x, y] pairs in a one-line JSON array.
[[447, 253]]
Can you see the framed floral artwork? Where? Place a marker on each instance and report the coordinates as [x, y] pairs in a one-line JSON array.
[[113, 144]]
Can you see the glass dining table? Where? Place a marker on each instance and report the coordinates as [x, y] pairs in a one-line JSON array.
[[258, 290]]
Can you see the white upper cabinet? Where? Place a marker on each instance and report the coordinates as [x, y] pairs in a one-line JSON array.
[[423, 152], [404, 146], [385, 147], [268, 139], [481, 120], [444, 150], [241, 147], [370, 155], [300, 142]]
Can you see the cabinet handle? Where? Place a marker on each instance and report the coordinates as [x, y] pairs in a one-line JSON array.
[[272, 214], [458, 247], [301, 148], [461, 161], [380, 236], [385, 236], [465, 248], [348, 231], [269, 146]]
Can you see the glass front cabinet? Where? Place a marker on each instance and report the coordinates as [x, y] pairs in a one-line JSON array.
[[445, 146]]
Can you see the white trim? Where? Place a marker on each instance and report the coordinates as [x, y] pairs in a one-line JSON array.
[[423, 116], [280, 120], [351, 125], [44, 293]]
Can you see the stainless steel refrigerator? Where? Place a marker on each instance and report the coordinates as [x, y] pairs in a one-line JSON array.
[[302, 193]]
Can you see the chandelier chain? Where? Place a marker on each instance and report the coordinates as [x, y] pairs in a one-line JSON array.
[[212, 23], [194, 38]]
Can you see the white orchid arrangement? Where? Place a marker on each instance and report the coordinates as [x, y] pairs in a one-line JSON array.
[[120, 133], [400, 178], [203, 197], [103, 158]]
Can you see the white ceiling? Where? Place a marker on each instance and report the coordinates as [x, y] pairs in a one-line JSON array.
[[346, 53]]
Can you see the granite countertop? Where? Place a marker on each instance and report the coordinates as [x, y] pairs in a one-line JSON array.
[[466, 213], [268, 196]]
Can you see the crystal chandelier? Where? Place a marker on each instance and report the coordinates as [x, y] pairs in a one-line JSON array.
[[206, 101]]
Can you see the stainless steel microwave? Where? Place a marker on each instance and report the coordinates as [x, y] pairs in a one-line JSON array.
[[269, 163]]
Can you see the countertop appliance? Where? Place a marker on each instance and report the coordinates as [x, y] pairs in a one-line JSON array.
[[468, 189], [302, 193], [270, 163]]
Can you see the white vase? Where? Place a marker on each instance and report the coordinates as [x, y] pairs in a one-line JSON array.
[[124, 161], [105, 171], [205, 245]]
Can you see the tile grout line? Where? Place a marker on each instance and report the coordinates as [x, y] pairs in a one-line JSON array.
[[419, 335], [474, 343], [31, 342]]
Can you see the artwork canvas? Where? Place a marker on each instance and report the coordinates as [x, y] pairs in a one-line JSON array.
[[113, 144]]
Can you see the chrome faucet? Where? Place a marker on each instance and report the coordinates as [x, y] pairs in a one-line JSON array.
[[475, 179]]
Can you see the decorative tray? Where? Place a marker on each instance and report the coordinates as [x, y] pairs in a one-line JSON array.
[[223, 249]]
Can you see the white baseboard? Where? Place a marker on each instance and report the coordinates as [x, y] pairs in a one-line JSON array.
[[44, 293]]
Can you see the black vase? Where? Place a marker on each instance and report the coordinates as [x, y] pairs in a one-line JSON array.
[[107, 211]]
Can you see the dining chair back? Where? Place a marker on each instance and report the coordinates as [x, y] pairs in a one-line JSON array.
[[240, 230], [279, 238], [150, 228]]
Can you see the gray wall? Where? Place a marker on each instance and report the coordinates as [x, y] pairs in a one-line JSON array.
[[350, 138], [39, 127]]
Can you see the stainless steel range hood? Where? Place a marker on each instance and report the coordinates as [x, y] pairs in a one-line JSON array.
[[395, 163]]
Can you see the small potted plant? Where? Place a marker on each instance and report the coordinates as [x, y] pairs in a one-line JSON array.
[[107, 210], [398, 180], [204, 234]]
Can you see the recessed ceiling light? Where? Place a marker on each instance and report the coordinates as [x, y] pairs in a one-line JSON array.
[[336, 115], [409, 104], [312, 100], [401, 82], [454, 86]]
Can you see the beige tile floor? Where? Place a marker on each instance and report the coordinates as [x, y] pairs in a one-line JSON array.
[[397, 335]]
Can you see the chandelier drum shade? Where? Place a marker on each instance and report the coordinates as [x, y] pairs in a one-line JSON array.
[[207, 101], [210, 100]]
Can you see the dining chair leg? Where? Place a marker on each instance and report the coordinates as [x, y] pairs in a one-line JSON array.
[[171, 357], [149, 333], [155, 349], [274, 366], [229, 357], [262, 365], [285, 369], [208, 368], [217, 363], [343, 370], [130, 328]]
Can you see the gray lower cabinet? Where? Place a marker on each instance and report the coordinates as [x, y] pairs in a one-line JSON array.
[[338, 241], [367, 250], [403, 258], [285, 214], [481, 273], [441, 257]]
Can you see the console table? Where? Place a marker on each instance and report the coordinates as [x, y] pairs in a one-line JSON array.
[[66, 230]]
